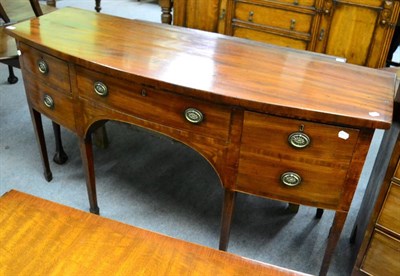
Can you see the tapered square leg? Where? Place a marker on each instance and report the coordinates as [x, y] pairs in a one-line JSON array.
[[227, 214]]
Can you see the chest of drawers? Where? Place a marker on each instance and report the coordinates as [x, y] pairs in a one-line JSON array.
[[267, 128]]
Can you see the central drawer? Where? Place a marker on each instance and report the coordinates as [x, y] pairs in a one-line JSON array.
[[293, 160], [164, 108]]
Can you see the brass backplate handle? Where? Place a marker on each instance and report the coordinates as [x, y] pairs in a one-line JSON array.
[[193, 115], [290, 179], [48, 101], [42, 66], [299, 140], [100, 88]]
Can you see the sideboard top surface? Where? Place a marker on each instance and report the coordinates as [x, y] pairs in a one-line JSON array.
[[215, 67]]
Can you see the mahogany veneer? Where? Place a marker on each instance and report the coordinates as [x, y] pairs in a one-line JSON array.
[[236, 102]]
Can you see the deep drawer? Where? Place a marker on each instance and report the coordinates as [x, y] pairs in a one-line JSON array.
[[267, 157], [45, 68], [160, 107], [389, 218], [273, 17], [57, 106]]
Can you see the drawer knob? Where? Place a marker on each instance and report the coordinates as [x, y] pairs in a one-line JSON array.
[[299, 139], [194, 115], [100, 89], [251, 14], [290, 179], [43, 67], [48, 101]]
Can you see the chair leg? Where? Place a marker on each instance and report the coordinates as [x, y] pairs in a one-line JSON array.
[[60, 157], [11, 78]]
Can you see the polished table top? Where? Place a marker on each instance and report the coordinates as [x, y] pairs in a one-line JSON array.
[[39, 237], [218, 68]]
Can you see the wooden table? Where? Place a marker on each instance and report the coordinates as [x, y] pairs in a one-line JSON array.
[[273, 122], [40, 237]]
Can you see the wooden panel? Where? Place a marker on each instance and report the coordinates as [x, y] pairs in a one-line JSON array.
[[382, 258], [273, 17], [270, 38], [397, 172], [150, 104], [63, 111], [58, 75], [305, 3], [349, 39], [389, 217], [39, 237], [266, 154]]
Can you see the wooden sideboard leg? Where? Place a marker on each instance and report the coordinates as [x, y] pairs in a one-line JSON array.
[[319, 213], [11, 76], [227, 214], [38, 127], [98, 7], [100, 138], [334, 235], [166, 11], [60, 157], [85, 146], [293, 208]]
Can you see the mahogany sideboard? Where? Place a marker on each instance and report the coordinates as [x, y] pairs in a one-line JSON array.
[[30, 247], [273, 122]]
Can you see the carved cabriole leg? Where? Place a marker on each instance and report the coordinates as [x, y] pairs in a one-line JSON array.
[[166, 11], [11, 76], [227, 214], [334, 234], [98, 7], [60, 157], [88, 167], [38, 128]]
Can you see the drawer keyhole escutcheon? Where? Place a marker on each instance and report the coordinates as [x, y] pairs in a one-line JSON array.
[[250, 19], [194, 115], [100, 89], [43, 67], [48, 101], [290, 179]]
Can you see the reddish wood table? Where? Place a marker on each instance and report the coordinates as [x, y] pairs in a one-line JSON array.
[[39, 237], [273, 122]]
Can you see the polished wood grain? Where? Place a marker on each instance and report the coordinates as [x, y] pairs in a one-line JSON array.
[[389, 217], [251, 96], [39, 237]]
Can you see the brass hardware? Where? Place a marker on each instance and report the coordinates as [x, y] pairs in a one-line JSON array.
[[251, 13], [299, 139], [327, 11], [321, 34], [194, 115], [143, 92], [48, 101], [383, 22], [290, 179], [292, 24], [296, 2], [100, 88], [223, 13], [42, 66]]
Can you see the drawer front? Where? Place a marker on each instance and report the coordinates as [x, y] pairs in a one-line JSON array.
[[47, 69], [267, 159], [159, 107], [382, 256], [389, 217], [304, 3], [57, 106], [271, 38], [277, 18]]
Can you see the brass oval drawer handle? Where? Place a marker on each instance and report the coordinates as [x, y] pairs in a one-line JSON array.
[[48, 101], [290, 179], [299, 139], [100, 88], [194, 115], [42, 66]]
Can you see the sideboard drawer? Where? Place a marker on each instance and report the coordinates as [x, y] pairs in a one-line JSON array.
[[270, 166], [382, 256], [160, 107], [273, 17], [57, 106], [47, 69], [389, 218]]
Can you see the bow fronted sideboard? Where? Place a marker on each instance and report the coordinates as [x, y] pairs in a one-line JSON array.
[[273, 122]]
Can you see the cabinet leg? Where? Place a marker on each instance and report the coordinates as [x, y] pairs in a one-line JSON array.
[[88, 167], [100, 138], [98, 7], [11, 76], [38, 128], [60, 157], [166, 11], [227, 213], [293, 208], [319, 213], [336, 230]]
